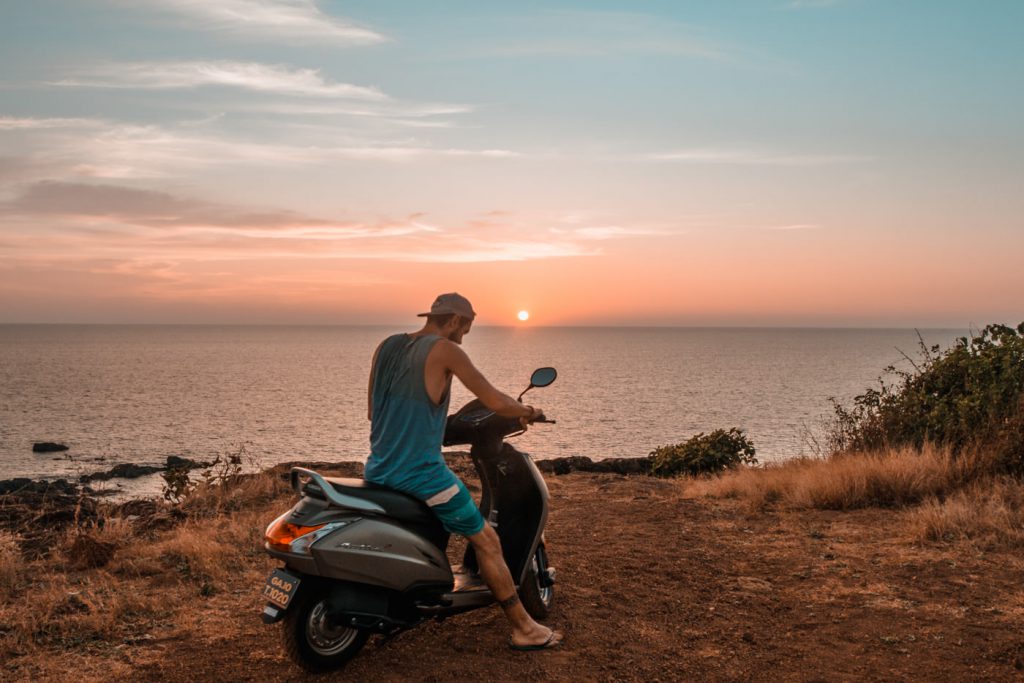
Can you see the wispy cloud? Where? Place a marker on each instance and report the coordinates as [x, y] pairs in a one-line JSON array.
[[13, 123], [471, 250], [285, 20], [255, 76], [114, 220], [794, 226], [274, 89], [753, 157], [387, 109], [594, 33], [118, 150], [150, 208], [606, 232]]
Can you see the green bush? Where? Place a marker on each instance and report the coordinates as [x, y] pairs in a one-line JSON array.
[[703, 454], [971, 395]]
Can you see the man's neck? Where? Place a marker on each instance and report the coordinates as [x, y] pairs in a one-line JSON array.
[[429, 329]]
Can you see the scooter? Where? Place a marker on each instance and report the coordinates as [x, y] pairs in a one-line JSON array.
[[361, 559]]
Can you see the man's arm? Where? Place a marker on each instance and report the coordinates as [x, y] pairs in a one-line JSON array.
[[455, 360]]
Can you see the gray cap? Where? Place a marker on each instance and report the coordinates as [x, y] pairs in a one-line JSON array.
[[447, 304]]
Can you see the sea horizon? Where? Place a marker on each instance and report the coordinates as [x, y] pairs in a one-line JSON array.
[[478, 326], [137, 393]]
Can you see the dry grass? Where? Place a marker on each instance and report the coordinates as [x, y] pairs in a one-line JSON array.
[[233, 493], [989, 513], [106, 583], [890, 478], [11, 566], [949, 498]]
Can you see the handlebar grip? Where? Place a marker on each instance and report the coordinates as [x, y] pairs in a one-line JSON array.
[[544, 420]]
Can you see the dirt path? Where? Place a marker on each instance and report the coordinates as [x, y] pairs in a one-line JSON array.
[[655, 586]]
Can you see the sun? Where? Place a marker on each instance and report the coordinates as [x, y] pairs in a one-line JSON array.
[[523, 315]]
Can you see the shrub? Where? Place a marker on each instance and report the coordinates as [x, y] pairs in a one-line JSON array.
[[969, 395], [703, 454]]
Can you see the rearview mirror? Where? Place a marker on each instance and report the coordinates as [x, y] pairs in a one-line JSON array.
[[542, 377]]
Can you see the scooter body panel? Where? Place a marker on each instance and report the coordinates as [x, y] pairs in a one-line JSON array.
[[379, 552]]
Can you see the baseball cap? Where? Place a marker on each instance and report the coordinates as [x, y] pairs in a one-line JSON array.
[[453, 302]]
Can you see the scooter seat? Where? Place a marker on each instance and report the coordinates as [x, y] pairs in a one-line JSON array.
[[395, 503]]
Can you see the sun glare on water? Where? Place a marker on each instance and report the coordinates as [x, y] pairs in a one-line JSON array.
[[523, 315]]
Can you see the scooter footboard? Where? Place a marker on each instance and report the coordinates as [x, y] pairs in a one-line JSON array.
[[381, 553]]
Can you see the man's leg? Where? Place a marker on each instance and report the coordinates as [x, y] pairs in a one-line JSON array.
[[495, 573], [460, 515]]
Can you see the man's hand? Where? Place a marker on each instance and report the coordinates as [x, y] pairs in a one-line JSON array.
[[532, 414]]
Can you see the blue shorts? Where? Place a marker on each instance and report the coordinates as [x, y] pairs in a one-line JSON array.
[[457, 510]]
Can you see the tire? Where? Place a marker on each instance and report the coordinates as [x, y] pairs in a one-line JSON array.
[[312, 643], [537, 599]]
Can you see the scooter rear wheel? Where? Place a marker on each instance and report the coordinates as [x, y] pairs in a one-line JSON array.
[[537, 599], [313, 642]]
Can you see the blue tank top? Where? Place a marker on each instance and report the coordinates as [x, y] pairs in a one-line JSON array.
[[406, 426]]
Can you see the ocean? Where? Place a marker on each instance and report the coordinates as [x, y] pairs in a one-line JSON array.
[[139, 393]]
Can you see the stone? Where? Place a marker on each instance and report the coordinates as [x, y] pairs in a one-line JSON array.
[[21, 485], [176, 462], [581, 463], [125, 470], [48, 447]]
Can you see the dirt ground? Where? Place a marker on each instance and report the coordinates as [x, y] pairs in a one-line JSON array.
[[657, 586]]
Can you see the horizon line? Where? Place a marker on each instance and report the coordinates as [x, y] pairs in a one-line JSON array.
[[967, 328]]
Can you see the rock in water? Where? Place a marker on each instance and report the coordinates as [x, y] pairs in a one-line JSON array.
[[176, 462], [123, 471], [48, 447], [21, 485]]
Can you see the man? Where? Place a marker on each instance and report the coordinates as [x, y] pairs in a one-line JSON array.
[[410, 384]]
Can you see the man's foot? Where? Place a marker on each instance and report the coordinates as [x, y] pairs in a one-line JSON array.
[[546, 641]]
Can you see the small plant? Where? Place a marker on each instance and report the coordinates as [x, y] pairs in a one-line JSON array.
[[177, 484], [225, 471], [703, 454]]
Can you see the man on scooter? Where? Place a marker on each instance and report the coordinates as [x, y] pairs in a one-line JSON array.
[[409, 389]]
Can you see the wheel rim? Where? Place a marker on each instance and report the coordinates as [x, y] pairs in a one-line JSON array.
[[324, 639], [544, 591]]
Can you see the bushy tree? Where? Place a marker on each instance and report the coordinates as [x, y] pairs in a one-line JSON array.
[[971, 395]]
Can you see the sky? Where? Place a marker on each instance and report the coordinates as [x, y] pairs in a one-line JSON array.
[[772, 162]]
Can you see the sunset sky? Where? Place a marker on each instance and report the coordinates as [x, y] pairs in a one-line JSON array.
[[779, 162]]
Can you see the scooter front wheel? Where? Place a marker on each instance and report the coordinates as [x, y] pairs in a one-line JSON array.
[[314, 641], [537, 598]]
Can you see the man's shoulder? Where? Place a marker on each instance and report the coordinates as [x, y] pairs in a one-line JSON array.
[[392, 340], [442, 346], [446, 351]]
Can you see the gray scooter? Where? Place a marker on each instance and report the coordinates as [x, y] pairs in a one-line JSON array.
[[361, 559]]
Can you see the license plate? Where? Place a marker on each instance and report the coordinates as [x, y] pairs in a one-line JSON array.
[[280, 588]]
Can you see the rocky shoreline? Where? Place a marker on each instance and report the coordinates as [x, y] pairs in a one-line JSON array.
[[38, 510]]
